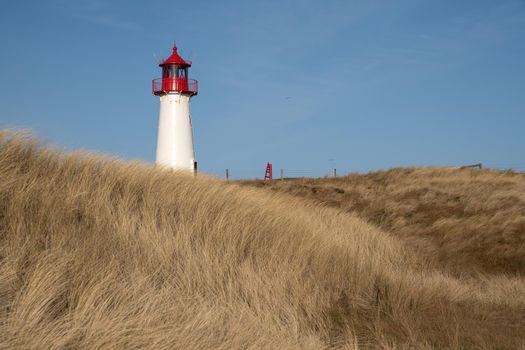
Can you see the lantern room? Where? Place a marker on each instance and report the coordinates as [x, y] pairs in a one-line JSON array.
[[175, 77]]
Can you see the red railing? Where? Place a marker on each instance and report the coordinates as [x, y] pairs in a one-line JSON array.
[[183, 85]]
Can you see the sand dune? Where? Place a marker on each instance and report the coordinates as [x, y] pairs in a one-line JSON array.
[[101, 253]]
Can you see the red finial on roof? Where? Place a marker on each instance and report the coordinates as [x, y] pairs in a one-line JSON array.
[[175, 59]]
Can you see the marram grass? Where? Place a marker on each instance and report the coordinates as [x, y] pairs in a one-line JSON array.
[[103, 254]]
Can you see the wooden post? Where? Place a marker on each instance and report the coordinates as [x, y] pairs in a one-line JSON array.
[[282, 174], [227, 175], [335, 172]]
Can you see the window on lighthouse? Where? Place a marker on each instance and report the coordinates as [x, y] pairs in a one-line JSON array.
[[182, 72], [175, 72], [168, 72]]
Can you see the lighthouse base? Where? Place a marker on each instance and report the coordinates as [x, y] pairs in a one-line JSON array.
[[175, 137]]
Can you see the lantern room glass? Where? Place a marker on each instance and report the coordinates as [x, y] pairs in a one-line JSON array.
[[174, 71], [182, 72]]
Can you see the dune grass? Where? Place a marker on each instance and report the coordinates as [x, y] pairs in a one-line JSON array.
[[100, 253], [467, 221]]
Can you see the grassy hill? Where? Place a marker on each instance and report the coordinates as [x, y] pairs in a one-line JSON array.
[[99, 253], [466, 221]]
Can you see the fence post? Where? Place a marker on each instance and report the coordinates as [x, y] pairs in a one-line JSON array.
[[335, 172], [227, 174], [282, 174]]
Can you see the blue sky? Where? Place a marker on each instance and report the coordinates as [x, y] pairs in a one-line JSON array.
[[308, 85]]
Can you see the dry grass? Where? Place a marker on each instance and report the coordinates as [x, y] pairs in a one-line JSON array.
[[97, 253], [467, 221]]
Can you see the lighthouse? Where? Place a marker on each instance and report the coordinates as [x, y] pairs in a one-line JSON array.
[[175, 136]]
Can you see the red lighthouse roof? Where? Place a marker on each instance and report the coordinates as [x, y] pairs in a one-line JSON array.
[[175, 59]]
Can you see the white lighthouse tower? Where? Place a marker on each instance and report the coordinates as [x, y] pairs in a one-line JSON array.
[[175, 138]]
